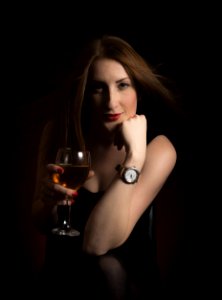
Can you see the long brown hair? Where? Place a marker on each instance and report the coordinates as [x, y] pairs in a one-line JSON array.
[[146, 81], [71, 110]]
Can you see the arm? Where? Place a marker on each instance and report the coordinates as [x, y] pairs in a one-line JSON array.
[[116, 214]]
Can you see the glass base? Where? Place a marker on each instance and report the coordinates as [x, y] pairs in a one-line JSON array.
[[66, 232]]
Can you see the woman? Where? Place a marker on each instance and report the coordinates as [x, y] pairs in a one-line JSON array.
[[112, 81]]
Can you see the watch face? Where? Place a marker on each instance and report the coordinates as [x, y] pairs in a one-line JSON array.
[[130, 175]]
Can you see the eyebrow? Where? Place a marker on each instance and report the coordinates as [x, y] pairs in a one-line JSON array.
[[118, 81], [122, 79]]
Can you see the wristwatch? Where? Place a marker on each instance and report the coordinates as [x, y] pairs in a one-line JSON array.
[[129, 175]]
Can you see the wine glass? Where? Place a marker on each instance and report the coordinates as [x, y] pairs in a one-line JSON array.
[[76, 165]]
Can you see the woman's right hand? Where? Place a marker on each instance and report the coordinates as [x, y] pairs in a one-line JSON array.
[[54, 193]]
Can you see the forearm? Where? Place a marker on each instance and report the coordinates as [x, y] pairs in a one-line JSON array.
[[108, 225]]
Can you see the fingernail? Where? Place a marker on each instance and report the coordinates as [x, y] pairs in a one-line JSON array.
[[59, 170], [75, 193]]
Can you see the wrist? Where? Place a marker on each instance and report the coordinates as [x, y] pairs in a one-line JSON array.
[[129, 175], [133, 161]]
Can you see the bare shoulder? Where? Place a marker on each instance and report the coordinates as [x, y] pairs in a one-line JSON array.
[[162, 150], [162, 142]]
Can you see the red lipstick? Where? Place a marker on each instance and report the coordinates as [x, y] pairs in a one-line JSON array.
[[112, 117]]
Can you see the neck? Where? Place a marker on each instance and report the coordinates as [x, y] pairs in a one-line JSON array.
[[100, 137]]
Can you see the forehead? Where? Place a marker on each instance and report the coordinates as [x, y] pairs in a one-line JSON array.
[[105, 68]]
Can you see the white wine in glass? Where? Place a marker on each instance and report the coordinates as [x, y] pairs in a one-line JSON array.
[[76, 165]]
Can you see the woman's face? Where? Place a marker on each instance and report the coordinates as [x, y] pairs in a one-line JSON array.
[[112, 93]]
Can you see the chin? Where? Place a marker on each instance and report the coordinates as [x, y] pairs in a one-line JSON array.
[[110, 127]]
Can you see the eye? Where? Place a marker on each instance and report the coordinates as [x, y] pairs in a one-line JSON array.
[[123, 85], [96, 88]]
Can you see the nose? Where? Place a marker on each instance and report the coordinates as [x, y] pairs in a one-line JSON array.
[[112, 99]]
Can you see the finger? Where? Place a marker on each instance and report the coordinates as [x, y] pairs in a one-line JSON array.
[[52, 183], [60, 188], [133, 116], [65, 191], [47, 193], [57, 193], [54, 168], [91, 174]]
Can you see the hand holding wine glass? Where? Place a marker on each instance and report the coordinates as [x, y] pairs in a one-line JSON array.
[[75, 166]]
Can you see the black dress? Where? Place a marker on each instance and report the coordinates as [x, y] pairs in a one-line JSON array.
[[127, 272]]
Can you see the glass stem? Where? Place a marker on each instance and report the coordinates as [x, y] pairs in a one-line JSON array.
[[64, 211]]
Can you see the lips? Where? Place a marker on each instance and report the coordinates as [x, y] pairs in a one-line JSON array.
[[112, 117]]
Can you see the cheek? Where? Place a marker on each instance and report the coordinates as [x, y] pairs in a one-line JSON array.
[[96, 104], [132, 103], [97, 108]]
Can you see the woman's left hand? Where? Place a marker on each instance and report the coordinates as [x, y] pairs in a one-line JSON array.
[[132, 134]]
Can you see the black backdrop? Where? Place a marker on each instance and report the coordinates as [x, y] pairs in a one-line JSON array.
[[41, 44]]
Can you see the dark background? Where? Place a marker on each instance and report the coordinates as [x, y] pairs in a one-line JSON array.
[[183, 45]]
